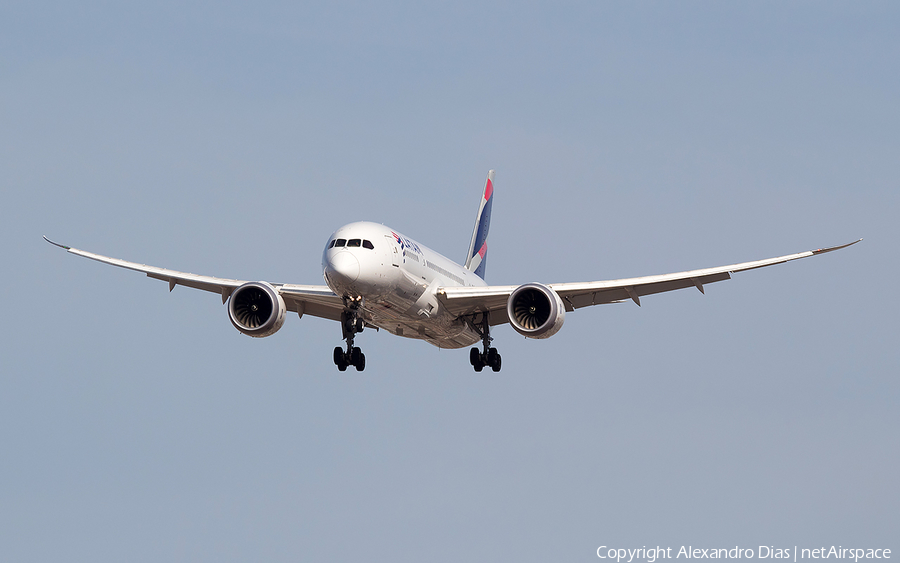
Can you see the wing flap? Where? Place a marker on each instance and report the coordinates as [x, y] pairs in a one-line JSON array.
[[470, 300], [191, 281], [630, 289], [316, 300]]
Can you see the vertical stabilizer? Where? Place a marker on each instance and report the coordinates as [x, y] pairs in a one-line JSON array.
[[477, 256]]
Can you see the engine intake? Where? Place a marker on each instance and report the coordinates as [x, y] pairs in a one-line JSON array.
[[256, 309], [535, 311]]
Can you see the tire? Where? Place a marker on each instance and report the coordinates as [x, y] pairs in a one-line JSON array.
[[474, 356], [496, 365], [361, 364], [338, 356], [354, 356], [479, 366]]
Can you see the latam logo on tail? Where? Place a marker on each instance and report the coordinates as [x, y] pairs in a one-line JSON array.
[[476, 259], [428, 297]]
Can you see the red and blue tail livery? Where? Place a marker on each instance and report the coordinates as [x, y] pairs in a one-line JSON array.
[[476, 259]]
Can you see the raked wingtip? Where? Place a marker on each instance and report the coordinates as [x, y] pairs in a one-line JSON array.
[[55, 243], [831, 248]]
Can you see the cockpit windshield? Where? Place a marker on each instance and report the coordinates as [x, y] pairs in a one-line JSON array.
[[354, 242]]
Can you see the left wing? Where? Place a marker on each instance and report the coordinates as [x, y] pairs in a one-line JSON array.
[[315, 300], [470, 300]]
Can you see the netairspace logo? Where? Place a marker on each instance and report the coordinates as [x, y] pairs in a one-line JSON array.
[[651, 554]]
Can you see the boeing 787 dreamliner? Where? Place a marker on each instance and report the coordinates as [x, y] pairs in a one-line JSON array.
[[378, 277]]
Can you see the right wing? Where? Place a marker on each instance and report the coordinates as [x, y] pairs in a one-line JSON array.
[[315, 300], [472, 300]]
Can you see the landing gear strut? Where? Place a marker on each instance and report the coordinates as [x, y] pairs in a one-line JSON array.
[[350, 325], [487, 356]]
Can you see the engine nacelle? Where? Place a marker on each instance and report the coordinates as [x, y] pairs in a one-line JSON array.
[[535, 311], [256, 309]]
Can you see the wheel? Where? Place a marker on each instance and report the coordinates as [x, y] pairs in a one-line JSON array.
[[354, 356], [342, 366], [474, 356], [361, 362], [496, 365], [475, 359], [360, 325], [492, 356], [338, 356]]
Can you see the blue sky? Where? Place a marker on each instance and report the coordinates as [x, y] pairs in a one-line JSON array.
[[628, 139]]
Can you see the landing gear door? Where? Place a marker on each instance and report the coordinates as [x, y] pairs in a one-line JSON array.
[[395, 250]]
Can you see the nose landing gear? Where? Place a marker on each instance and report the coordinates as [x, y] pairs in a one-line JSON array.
[[489, 356], [350, 325]]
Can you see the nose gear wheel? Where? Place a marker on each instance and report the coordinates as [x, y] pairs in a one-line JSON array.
[[350, 325]]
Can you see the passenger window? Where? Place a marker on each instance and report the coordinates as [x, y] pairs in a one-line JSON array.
[[354, 242], [331, 244], [369, 245], [340, 242]]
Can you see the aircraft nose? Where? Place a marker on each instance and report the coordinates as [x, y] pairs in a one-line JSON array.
[[344, 265]]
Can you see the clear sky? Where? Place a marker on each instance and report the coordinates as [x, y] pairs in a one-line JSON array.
[[628, 138]]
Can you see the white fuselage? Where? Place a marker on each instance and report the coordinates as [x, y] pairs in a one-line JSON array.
[[395, 279]]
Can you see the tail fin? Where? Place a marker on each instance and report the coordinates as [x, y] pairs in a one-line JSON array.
[[477, 257]]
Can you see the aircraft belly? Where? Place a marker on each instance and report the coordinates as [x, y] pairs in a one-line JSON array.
[[442, 330], [411, 309]]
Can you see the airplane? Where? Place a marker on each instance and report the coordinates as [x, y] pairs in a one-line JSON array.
[[379, 278]]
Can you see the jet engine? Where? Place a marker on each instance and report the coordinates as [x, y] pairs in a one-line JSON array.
[[256, 309], [535, 311]]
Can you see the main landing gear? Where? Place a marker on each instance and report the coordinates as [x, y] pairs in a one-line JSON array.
[[350, 325], [489, 356]]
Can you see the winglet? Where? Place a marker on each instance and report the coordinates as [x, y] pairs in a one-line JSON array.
[[831, 248], [56, 243]]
